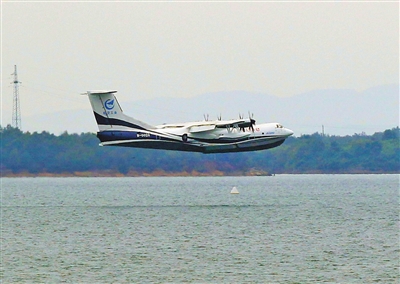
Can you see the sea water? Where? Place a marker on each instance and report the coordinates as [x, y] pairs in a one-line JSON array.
[[280, 229]]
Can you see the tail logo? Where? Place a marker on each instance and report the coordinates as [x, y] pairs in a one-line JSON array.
[[109, 104]]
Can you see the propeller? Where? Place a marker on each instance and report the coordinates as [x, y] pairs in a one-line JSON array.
[[252, 121]]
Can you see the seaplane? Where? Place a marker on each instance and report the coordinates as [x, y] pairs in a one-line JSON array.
[[218, 136]]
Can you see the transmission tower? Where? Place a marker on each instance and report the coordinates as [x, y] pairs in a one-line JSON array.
[[16, 114]]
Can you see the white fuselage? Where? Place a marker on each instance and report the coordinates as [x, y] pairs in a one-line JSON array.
[[218, 136]]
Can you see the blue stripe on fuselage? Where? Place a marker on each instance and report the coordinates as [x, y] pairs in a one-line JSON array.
[[106, 136]]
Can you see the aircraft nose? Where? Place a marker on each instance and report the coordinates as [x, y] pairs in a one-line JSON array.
[[289, 132]]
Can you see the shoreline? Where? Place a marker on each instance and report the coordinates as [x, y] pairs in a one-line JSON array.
[[158, 173], [161, 173]]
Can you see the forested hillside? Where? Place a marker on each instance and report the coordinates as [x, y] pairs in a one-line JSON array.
[[24, 153]]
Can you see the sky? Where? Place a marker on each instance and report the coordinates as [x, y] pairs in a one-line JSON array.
[[151, 50]]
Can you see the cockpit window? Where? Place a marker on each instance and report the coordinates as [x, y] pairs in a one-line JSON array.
[[279, 126]]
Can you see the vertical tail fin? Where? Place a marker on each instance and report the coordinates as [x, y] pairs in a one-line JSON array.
[[109, 114]]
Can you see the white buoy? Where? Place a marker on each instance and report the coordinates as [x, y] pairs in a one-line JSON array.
[[234, 190]]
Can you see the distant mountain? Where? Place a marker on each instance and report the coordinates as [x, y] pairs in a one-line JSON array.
[[342, 112]]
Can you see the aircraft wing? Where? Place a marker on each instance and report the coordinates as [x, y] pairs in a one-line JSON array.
[[201, 128], [209, 126], [239, 122]]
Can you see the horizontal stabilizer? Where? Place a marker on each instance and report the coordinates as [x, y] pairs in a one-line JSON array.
[[99, 92]]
